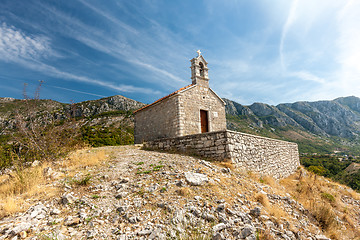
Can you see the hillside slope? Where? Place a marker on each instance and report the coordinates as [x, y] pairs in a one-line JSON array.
[[49, 110], [322, 126], [36, 128], [129, 193]]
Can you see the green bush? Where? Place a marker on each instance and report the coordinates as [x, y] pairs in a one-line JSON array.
[[98, 136], [319, 170], [328, 196]]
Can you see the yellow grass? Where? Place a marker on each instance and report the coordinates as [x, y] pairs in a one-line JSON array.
[[86, 158], [269, 181], [277, 212], [263, 199], [322, 198], [24, 182], [10, 205], [227, 164], [184, 191]]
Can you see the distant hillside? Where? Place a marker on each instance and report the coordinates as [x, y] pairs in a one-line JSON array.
[[322, 126], [35, 129], [51, 110], [28, 126]]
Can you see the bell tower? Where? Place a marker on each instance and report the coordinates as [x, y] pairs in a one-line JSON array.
[[199, 71]]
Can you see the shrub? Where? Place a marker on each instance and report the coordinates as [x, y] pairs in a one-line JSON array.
[[328, 197], [84, 181], [319, 170], [324, 214]]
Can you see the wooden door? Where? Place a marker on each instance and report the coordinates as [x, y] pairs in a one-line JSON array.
[[204, 121]]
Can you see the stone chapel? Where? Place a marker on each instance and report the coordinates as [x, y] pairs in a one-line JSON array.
[[193, 109]]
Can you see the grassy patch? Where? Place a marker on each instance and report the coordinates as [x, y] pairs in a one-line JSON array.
[[158, 167], [84, 181], [143, 172], [328, 197]]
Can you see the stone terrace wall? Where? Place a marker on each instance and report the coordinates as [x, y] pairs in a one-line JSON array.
[[210, 145], [254, 153], [263, 155]]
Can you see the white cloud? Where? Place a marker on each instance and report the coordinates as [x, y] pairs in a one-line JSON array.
[[52, 71], [304, 75], [139, 48], [110, 17], [289, 21], [29, 51], [72, 90], [349, 48], [15, 44]]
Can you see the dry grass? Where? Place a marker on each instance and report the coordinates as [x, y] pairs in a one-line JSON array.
[[265, 235], [268, 180], [263, 199], [277, 213], [23, 184], [24, 180], [322, 198], [325, 215], [227, 164], [10, 205], [184, 191], [85, 158]]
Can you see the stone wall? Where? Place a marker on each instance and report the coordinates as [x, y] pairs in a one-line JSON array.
[[158, 121], [253, 153], [200, 98], [179, 115]]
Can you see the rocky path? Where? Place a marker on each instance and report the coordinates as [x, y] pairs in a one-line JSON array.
[[141, 194]]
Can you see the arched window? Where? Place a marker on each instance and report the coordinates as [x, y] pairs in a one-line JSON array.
[[201, 69]]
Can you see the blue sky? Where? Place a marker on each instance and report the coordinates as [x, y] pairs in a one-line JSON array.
[[258, 51]]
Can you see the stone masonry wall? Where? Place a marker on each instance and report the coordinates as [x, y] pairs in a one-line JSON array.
[[179, 115], [263, 155], [158, 121], [253, 153], [200, 98]]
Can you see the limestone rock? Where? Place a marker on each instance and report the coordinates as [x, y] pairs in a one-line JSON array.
[[196, 179]]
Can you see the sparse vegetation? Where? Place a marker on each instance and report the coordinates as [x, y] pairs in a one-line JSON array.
[[84, 181], [332, 167]]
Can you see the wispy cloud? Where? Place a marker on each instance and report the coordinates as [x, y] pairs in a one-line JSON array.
[[15, 44], [72, 90], [348, 57], [304, 75], [136, 48], [29, 51], [295, 71], [289, 21], [109, 17], [53, 71]]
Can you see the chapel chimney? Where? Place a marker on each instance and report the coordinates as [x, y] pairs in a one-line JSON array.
[[199, 71]]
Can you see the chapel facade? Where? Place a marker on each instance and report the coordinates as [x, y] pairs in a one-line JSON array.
[[190, 110]]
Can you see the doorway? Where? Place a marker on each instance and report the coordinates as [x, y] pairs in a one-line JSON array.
[[204, 121]]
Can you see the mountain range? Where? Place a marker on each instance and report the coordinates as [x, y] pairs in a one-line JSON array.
[[316, 126], [321, 126]]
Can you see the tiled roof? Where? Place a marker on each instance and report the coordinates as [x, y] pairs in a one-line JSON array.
[[161, 99]]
